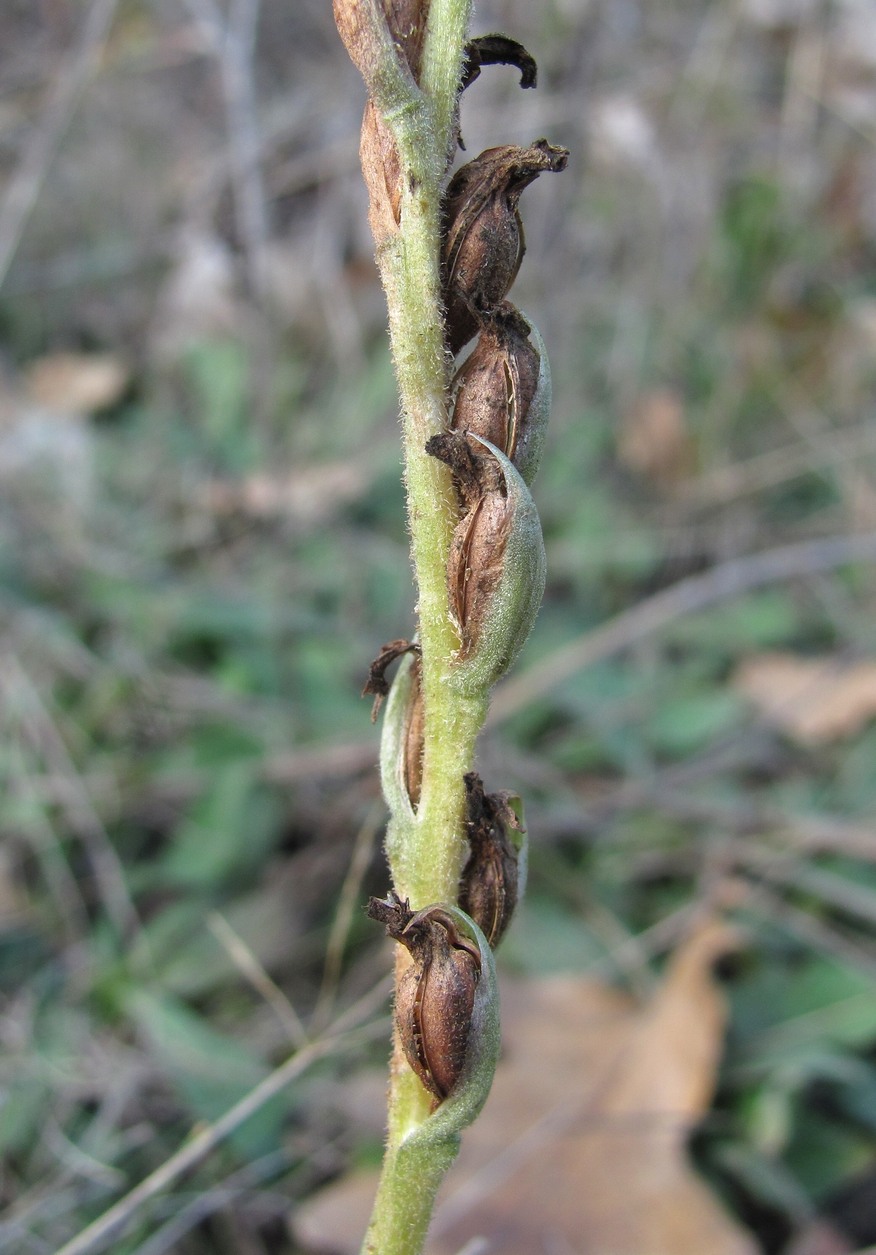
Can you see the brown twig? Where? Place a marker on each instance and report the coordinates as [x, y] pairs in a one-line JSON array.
[[24, 187]]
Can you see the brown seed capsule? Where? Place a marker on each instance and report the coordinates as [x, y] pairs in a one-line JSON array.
[[496, 385], [367, 33], [483, 234], [435, 997], [491, 880], [496, 565]]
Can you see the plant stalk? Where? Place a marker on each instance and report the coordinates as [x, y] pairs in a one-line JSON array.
[[409, 263]]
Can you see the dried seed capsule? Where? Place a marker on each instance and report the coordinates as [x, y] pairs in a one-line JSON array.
[[496, 565], [503, 389], [436, 995], [483, 234], [494, 875], [401, 743]]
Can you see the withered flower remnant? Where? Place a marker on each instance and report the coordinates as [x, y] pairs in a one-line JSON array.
[[503, 389], [494, 875], [497, 50], [377, 685], [483, 235], [436, 995]]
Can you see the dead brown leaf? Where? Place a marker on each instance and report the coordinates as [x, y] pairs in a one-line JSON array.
[[581, 1147], [820, 1237], [306, 495], [813, 700], [76, 383], [654, 440]]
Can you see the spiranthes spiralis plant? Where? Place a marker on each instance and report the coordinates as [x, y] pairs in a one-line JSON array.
[[448, 254]]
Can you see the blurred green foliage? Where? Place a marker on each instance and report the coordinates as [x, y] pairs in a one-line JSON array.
[[187, 620]]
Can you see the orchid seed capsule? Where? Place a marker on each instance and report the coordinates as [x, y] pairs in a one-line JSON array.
[[483, 235], [503, 389], [494, 875], [435, 996], [496, 565]]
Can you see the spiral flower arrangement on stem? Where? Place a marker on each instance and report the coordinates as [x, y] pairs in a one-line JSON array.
[[448, 254]]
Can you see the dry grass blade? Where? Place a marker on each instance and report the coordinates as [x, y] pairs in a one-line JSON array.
[[108, 1226], [26, 183], [728, 579]]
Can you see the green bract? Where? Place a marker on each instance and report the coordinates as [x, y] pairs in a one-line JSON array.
[[530, 442]]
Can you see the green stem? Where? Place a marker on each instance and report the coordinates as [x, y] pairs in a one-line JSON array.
[[410, 270], [409, 1178], [423, 1143], [429, 868]]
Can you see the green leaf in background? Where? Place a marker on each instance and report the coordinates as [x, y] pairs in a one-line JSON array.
[[229, 830], [684, 725], [218, 373], [823, 1153], [23, 1108], [760, 620], [189, 959], [547, 937], [787, 1016], [211, 1070]]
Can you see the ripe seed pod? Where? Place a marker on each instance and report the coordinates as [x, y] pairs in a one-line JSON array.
[[436, 995], [494, 875], [503, 389], [496, 565], [483, 235]]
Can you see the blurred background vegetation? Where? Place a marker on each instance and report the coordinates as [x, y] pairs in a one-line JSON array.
[[202, 546]]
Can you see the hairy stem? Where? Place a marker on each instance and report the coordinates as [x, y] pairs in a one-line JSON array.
[[410, 269], [431, 847]]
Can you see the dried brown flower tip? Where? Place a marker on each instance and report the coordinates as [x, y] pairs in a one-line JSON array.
[[483, 234], [490, 883], [497, 50], [474, 470], [377, 684], [435, 997], [497, 382]]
